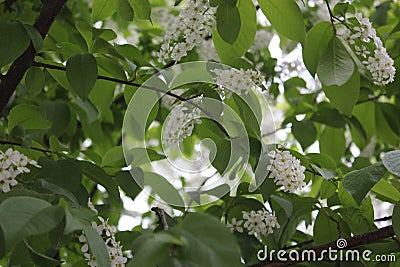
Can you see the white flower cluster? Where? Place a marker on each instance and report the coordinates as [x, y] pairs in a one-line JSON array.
[[193, 24], [260, 223], [237, 81], [180, 123], [372, 54], [287, 170], [13, 163], [113, 247]]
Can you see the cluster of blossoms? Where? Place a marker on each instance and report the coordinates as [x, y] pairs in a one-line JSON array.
[[180, 123], [287, 170], [113, 247], [193, 24], [13, 163], [237, 81], [258, 223], [369, 47]]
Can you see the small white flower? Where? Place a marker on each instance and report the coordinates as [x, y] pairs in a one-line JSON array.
[[235, 225]]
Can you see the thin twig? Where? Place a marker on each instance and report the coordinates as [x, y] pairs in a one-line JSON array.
[[161, 216], [152, 88], [44, 151], [331, 16], [383, 219]]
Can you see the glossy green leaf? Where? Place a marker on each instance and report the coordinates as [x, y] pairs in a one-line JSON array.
[[358, 183], [317, 40], [23, 216], [163, 188], [228, 23], [16, 43], [205, 233], [125, 10], [391, 161], [82, 73], [98, 175], [28, 116], [386, 189], [102, 9], [325, 229], [286, 18], [333, 142], [230, 52], [141, 9], [34, 81], [153, 249], [59, 114], [305, 132], [336, 66], [396, 219], [69, 178], [344, 97], [97, 247], [128, 184], [35, 37]]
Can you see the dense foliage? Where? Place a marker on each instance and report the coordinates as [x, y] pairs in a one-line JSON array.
[[240, 124]]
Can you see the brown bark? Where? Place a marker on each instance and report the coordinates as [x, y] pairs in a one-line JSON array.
[[48, 13]]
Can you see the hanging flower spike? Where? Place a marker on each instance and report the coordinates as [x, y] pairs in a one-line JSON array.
[[13, 163], [287, 170]]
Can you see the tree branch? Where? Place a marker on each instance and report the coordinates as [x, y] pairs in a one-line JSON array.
[[352, 242], [161, 217], [106, 78], [50, 10]]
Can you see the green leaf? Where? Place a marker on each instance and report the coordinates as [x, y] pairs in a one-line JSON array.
[[114, 158], [23, 216], [305, 132], [59, 114], [128, 184], [163, 188], [99, 176], [316, 42], [325, 230], [82, 73], [125, 10], [396, 219], [16, 43], [391, 161], [333, 142], [29, 116], [153, 249], [65, 173], [345, 97], [359, 183], [141, 9], [228, 23], [286, 18], [386, 189], [336, 66], [326, 174], [356, 220], [103, 8], [40, 258], [35, 37], [230, 52], [34, 81], [97, 247], [205, 234]]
